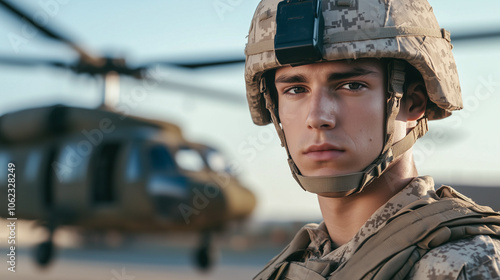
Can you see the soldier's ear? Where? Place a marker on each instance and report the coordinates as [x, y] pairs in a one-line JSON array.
[[414, 101]]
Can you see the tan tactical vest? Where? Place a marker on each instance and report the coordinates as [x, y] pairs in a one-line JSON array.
[[392, 252]]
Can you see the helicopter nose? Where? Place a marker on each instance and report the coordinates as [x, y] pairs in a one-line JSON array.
[[240, 202], [167, 194]]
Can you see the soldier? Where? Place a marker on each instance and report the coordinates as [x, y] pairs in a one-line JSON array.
[[349, 86]]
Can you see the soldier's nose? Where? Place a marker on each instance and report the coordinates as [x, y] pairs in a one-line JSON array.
[[321, 111]]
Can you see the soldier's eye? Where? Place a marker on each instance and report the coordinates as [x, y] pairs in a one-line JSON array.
[[352, 86], [294, 90]]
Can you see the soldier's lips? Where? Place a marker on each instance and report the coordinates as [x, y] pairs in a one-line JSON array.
[[323, 152]]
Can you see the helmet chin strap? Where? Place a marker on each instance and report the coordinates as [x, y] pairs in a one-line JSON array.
[[349, 184]]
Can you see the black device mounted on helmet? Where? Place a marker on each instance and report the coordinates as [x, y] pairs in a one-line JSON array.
[[299, 31]]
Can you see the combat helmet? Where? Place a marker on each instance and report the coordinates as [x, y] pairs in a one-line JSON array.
[[295, 32]]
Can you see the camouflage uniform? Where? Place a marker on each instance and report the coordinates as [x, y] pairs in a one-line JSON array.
[[472, 258]]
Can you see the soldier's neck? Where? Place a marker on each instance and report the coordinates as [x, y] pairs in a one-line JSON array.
[[344, 217]]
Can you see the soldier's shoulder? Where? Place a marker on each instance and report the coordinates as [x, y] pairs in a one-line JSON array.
[[471, 258]]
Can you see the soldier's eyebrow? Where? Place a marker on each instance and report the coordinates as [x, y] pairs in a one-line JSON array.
[[355, 72], [290, 79]]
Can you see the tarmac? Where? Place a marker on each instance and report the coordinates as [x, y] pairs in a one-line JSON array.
[[133, 264]]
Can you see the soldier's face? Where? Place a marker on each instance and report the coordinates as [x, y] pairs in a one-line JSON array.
[[332, 114]]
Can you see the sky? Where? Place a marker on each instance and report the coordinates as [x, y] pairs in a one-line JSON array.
[[462, 149]]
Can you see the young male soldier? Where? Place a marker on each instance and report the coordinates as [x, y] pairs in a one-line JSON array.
[[349, 86]]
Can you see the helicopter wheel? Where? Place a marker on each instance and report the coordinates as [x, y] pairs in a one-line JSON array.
[[204, 255], [44, 252], [204, 258]]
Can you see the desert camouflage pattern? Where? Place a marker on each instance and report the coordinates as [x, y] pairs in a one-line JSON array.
[[430, 54], [477, 258], [471, 258]]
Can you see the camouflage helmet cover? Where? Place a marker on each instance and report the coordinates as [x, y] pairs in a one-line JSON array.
[[403, 29]]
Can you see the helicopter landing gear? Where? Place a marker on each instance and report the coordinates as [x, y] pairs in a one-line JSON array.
[[44, 252], [204, 255]]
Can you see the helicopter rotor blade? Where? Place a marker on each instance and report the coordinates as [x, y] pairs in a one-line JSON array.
[[195, 90], [29, 62], [51, 33], [475, 36], [200, 63], [203, 62]]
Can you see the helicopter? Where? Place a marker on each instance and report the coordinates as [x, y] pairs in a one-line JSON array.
[[93, 170], [101, 169]]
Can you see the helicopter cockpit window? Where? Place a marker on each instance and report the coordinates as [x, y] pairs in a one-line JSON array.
[[161, 159], [216, 161], [189, 159]]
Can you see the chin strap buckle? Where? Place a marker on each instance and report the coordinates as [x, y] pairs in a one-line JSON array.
[[382, 166], [376, 169]]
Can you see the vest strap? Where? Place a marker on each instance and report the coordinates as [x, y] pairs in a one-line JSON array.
[[392, 252]]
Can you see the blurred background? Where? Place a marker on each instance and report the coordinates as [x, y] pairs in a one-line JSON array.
[[460, 151]]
